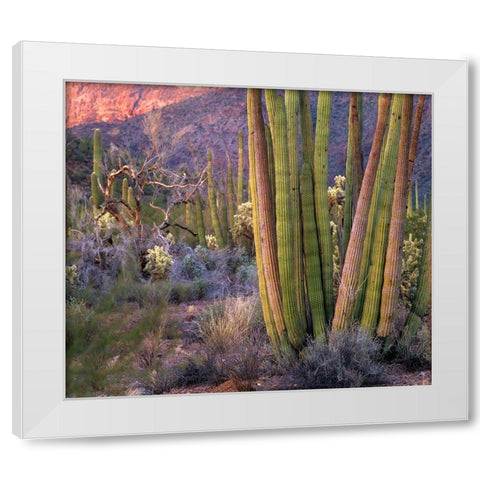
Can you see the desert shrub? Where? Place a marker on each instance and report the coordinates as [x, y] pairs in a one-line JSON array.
[[192, 267], [350, 359], [234, 341], [158, 380], [415, 352], [158, 263]]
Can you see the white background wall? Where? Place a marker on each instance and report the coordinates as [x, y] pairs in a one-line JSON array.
[[409, 28]]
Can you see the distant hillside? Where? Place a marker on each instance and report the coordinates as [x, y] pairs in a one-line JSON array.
[[212, 120]]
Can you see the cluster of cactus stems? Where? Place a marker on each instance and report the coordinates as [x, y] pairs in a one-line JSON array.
[[291, 222]]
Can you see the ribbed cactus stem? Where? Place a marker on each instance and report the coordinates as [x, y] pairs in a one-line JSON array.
[[348, 288], [212, 204], [125, 190], [264, 220], [292, 107], [199, 217], [97, 154], [313, 269], [221, 201], [422, 298], [95, 189], [386, 181], [296, 326], [131, 199], [417, 122], [417, 207], [409, 203], [353, 169], [230, 198], [240, 169], [306, 128], [271, 164], [393, 262], [320, 175], [367, 248]]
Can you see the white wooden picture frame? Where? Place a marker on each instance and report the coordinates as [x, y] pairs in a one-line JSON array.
[[40, 409]]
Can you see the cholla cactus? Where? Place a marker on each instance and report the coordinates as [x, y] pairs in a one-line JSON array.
[[71, 275], [336, 199], [158, 262], [107, 224], [412, 254], [211, 241], [243, 222]]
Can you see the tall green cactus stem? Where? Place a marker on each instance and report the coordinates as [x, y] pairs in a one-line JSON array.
[[230, 199], [131, 199], [417, 207], [313, 269], [97, 154], [409, 203], [425, 196], [270, 99], [393, 261], [306, 128], [240, 169], [222, 209], [271, 164], [353, 170], [347, 290], [373, 291], [188, 215], [296, 325], [199, 217], [212, 204], [97, 166], [358, 157], [95, 198], [422, 298], [367, 248], [125, 190], [264, 221], [292, 107], [320, 175], [417, 122]]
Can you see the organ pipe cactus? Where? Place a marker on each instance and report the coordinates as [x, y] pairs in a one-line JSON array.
[[292, 107], [306, 128], [212, 204], [422, 298], [393, 261], [240, 169], [296, 325], [385, 187], [349, 284], [353, 168], [320, 174], [199, 217], [264, 223], [230, 198], [313, 269]]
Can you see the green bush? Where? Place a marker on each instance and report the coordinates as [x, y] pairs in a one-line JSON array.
[[350, 359]]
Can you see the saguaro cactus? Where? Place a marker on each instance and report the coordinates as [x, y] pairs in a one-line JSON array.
[[296, 326], [320, 174], [386, 181], [393, 261], [347, 291], [95, 189], [313, 269], [97, 154]]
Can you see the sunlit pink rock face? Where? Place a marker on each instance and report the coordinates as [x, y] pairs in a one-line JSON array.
[[115, 103]]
